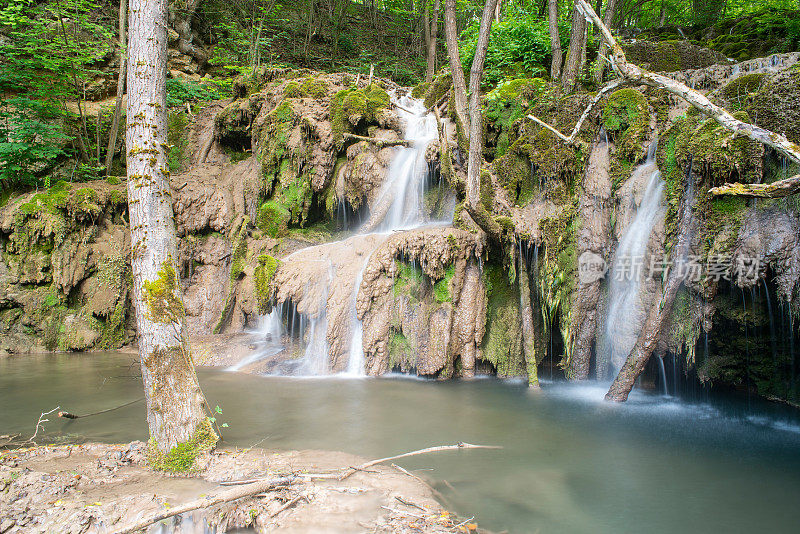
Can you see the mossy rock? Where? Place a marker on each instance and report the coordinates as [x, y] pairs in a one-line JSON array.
[[352, 108], [502, 344], [263, 274], [626, 116], [273, 218], [438, 88], [671, 56]]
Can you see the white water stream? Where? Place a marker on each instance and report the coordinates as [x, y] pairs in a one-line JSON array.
[[399, 206], [626, 312]]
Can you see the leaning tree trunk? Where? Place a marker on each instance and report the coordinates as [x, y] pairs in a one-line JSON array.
[[475, 208], [608, 16], [175, 403], [577, 41], [459, 84], [431, 36], [651, 331], [123, 56], [555, 40]]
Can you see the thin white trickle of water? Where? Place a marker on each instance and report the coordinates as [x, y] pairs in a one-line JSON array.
[[355, 361], [315, 357], [625, 311], [270, 335]]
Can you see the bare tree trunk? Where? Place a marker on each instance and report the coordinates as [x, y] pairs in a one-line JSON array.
[[459, 84], [475, 157], [577, 42], [123, 56], [651, 331], [608, 16], [175, 403], [431, 36], [555, 39]]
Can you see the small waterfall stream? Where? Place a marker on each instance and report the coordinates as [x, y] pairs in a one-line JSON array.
[[626, 313], [399, 206]]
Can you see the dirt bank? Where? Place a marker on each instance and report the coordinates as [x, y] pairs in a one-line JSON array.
[[106, 488]]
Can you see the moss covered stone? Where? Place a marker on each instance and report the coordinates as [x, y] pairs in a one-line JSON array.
[[267, 265], [273, 218], [502, 344], [353, 107], [441, 289], [438, 88], [626, 117]]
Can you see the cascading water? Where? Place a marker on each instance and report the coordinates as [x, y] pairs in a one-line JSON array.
[[398, 206], [626, 313]]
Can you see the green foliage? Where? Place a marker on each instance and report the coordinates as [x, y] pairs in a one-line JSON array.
[[181, 458], [179, 92], [519, 45], [46, 60]]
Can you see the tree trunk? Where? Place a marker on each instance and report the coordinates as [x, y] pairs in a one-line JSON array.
[[608, 16], [123, 56], [651, 331], [555, 39], [431, 36], [175, 403], [577, 41], [459, 84], [475, 157]]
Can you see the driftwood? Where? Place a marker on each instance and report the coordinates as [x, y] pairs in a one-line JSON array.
[[777, 189], [69, 415], [460, 445], [227, 495], [377, 141]]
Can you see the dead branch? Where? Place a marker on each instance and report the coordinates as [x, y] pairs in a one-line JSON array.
[[406, 472], [227, 495], [460, 445], [571, 138], [40, 422], [68, 415], [635, 74], [288, 504], [380, 143], [780, 188]]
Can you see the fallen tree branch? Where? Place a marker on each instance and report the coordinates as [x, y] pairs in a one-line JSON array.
[[635, 74], [460, 445], [227, 495], [378, 141], [40, 422], [288, 504], [68, 415], [778, 189], [570, 139]]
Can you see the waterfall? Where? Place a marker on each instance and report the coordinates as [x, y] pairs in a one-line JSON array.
[[626, 314], [270, 333], [398, 206]]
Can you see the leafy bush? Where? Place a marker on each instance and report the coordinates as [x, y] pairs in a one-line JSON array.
[[518, 46], [181, 91]]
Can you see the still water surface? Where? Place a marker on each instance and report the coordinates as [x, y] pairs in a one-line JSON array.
[[570, 463]]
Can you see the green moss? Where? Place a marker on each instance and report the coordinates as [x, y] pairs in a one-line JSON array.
[[178, 141], [437, 89], [314, 87], [502, 344], [162, 296], [292, 90], [182, 457], [353, 107], [626, 117], [401, 354], [420, 89], [409, 280], [273, 218], [737, 93], [441, 289], [267, 265]]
